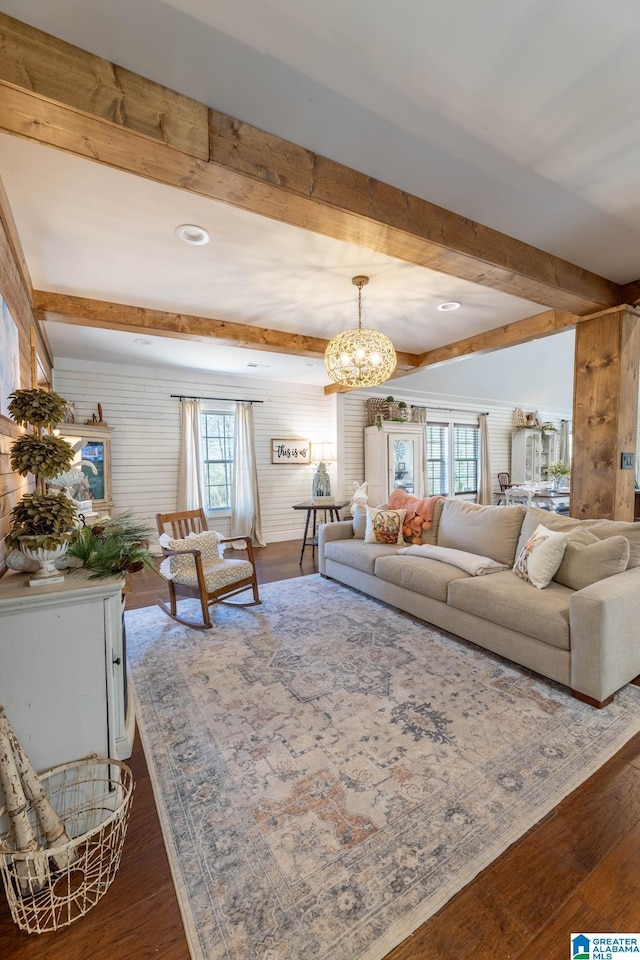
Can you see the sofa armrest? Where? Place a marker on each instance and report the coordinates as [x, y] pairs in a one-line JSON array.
[[341, 530], [605, 634]]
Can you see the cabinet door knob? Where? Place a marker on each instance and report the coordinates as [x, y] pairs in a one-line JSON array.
[[117, 661]]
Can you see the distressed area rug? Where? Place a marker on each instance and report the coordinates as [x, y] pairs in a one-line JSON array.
[[329, 771]]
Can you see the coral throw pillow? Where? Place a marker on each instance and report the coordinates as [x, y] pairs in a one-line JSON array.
[[384, 526], [541, 556]]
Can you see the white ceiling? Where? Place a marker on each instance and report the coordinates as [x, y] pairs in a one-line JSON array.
[[522, 116]]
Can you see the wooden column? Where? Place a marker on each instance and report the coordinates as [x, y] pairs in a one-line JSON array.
[[605, 412]]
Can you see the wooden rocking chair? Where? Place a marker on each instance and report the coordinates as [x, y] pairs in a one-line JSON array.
[[209, 582]]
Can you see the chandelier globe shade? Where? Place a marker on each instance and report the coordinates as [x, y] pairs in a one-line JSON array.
[[361, 357]]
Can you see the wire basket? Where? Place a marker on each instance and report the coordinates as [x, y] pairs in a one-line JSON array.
[[53, 888]]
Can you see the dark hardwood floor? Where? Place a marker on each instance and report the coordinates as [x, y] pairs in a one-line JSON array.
[[574, 871]]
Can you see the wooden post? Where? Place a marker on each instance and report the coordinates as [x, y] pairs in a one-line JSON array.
[[605, 413]]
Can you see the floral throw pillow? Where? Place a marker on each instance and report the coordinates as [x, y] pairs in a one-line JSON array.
[[541, 556], [384, 526]]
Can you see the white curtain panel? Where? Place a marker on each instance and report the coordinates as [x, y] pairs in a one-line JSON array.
[[245, 500], [190, 486], [485, 492]]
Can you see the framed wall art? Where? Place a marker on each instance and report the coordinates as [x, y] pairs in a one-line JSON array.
[[290, 451]]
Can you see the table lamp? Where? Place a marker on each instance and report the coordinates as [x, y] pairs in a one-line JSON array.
[[322, 454]]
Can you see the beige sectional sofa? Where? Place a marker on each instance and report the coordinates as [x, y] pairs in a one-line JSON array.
[[587, 639]]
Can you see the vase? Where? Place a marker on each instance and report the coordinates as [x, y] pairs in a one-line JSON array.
[[45, 557]]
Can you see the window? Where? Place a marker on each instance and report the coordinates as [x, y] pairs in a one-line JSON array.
[[452, 458], [218, 431]]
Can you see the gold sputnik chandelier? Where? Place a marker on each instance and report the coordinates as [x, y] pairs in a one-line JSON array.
[[360, 358]]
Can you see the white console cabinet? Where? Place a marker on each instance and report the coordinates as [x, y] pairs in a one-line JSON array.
[[62, 668], [394, 459]]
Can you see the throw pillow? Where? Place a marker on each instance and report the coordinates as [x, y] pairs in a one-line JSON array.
[[587, 563], [541, 556], [384, 526], [359, 513], [208, 543]]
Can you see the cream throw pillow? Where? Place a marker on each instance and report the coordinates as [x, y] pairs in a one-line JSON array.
[[588, 561], [541, 556], [384, 526], [208, 543]]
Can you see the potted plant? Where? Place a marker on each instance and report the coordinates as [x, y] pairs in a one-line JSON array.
[[557, 471], [109, 546], [42, 524]]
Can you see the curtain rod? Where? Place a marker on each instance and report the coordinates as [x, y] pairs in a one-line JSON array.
[[179, 396], [478, 413]]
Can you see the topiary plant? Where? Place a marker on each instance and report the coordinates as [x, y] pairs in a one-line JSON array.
[[50, 518]]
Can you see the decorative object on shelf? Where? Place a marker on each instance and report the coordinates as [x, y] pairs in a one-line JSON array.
[[519, 418], [42, 524], [290, 451], [362, 357], [97, 419], [69, 414], [66, 829], [322, 454], [360, 497], [390, 409]]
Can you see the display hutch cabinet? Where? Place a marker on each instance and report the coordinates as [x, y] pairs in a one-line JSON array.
[[92, 443], [531, 452], [63, 668], [394, 459]]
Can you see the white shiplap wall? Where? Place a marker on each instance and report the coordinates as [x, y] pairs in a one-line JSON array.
[[137, 405]]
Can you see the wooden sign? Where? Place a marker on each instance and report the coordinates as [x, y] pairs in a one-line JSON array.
[[290, 451]]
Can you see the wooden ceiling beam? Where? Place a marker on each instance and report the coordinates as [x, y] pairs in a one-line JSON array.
[[631, 293], [82, 311], [49, 94]]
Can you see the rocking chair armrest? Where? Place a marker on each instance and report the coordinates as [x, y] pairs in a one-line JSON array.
[[179, 553], [248, 544]]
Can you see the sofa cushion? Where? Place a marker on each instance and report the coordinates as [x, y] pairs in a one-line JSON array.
[[541, 556], [384, 526], [490, 531], [504, 599], [471, 563], [587, 563], [357, 554], [600, 528], [430, 578]]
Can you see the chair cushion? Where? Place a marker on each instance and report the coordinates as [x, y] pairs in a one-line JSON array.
[[223, 573], [513, 603]]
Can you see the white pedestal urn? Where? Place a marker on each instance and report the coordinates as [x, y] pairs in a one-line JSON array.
[[45, 557]]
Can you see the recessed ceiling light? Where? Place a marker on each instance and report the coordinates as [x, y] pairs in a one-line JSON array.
[[449, 305], [193, 234], [143, 343]]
